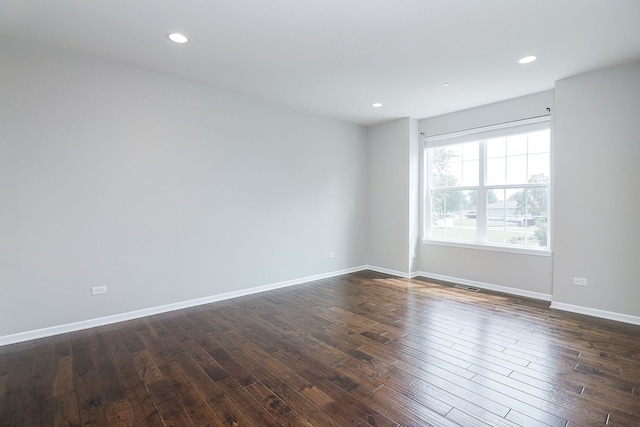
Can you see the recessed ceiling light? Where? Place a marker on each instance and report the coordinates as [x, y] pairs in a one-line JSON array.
[[527, 59], [376, 104], [178, 38], [446, 84]]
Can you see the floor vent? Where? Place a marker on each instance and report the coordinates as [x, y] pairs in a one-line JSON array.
[[467, 288]]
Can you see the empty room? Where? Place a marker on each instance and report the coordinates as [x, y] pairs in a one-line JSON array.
[[320, 213]]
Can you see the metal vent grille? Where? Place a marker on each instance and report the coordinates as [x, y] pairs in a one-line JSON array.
[[467, 288]]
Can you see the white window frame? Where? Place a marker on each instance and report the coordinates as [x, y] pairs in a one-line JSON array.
[[482, 134]]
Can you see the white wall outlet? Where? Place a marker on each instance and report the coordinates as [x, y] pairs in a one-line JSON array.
[[414, 255], [97, 290], [332, 255], [579, 281]]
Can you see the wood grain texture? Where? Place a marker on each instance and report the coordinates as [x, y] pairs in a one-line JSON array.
[[363, 349]]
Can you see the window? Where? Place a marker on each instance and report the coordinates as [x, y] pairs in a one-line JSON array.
[[490, 186]]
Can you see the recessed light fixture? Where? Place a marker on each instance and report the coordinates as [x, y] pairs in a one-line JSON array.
[[527, 59], [178, 38], [376, 104], [446, 84]]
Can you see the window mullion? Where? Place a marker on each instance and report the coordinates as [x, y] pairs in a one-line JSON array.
[[481, 197]]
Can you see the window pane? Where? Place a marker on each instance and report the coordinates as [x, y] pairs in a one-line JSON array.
[[453, 215], [496, 171], [455, 165], [454, 173], [470, 173], [517, 170], [467, 221], [538, 170], [518, 217], [439, 161], [496, 147], [519, 165], [470, 150], [495, 215], [501, 215], [539, 141], [517, 144], [534, 202], [455, 151], [470, 163], [496, 205]]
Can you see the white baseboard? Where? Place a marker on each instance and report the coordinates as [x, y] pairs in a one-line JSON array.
[[610, 315], [92, 323], [488, 286], [390, 272], [107, 320]]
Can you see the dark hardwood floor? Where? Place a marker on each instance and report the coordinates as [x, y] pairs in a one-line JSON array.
[[363, 349]]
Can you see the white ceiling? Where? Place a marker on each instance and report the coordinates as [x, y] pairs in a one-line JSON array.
[[337, 57]]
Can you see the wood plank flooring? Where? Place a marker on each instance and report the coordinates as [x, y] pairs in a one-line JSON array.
[[363, 349]]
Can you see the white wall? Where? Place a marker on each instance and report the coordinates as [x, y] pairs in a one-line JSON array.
[[389, 195], [526, 274], [597, 158], [162, 189]]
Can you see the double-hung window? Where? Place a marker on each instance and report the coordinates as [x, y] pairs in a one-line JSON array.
[[490, 186]]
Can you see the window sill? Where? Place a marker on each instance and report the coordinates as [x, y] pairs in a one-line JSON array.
[[488, 247]]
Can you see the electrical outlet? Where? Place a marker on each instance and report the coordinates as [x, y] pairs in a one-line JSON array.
[[97, 290], [579, 281], [332, 255]]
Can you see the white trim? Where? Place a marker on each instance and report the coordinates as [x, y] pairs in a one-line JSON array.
[[610, 315], [107, 320], [391, 272], [488, 286], [488, 247], [487, 132], [414, 274]]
